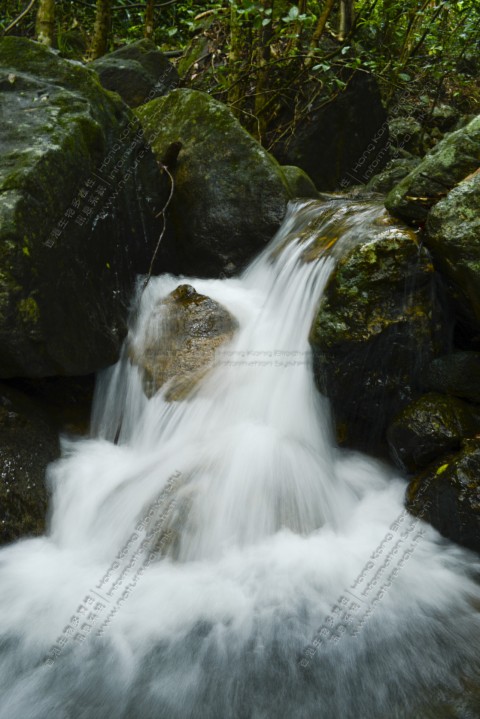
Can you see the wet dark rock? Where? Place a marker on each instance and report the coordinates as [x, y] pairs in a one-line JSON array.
[[456, 374], [345, 141], [139, 72], [230, 195], [78, 197], [450, 161], [430, 427], [377, 328], [28, 442], [395, 171], [453, 237], [447, 495], [180, 342]]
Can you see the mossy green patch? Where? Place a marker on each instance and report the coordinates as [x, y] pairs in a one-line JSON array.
[[29, 311]]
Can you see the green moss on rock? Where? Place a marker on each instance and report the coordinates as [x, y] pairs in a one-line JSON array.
[[457, 155], [66, 208], [453, 237], [377, 327], [230, 195]]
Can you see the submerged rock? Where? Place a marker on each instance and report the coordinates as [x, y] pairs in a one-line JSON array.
[[28, 442], [139, 72], [430, 427], [180, 341], [447, 495], [453, 237], [230, 195], [450, 161], [377, 328], [78, 197]]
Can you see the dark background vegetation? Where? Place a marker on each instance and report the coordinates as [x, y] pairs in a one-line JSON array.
[[263, 56]]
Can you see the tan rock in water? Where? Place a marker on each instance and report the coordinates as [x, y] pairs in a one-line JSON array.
[[180, 341]]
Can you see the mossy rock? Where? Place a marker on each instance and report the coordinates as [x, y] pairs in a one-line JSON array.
[[453, 237], [450, 161], [299, 183], [230, 195], [139, 72], [180, 342], [395, 171], [377, 327], [430, 427], [447, 495], [78, 196]]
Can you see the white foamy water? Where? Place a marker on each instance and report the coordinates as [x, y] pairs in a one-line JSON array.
[[223, 559]]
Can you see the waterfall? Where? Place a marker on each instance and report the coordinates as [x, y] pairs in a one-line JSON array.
[[220, 557]]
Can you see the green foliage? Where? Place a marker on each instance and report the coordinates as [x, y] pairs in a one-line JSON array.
[[263, 56]]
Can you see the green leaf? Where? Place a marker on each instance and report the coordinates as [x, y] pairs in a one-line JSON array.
[[404, 76]]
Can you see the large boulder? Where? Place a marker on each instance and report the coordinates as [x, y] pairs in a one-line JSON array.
[[78, 196], [139, 72], [344, 141], [450, 161], [230, 195], [377, 327], [180, 341], [453, 237], [28, 442], [447, 495], [430, 427]]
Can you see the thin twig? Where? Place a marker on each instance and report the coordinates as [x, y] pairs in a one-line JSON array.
[[161, 214], [20, 17], [141, 6]]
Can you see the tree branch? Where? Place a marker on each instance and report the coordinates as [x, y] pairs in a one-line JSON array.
[[20, 17]]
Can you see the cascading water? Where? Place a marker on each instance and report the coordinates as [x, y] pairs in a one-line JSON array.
[[211, 557]]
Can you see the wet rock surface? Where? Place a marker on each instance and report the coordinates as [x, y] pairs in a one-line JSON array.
[[78, 196], [447, 495], [28, 442], [377, 328], [230, 195], [453, 237], [456, 374], [180, 342], [430, 427]]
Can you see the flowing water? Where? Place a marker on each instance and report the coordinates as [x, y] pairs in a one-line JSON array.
[[220, 557]]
